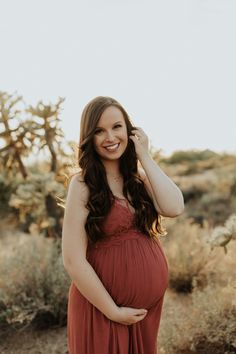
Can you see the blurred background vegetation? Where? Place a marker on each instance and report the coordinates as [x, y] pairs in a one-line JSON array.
[[199, 313]]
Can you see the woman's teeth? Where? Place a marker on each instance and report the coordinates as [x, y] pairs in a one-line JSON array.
[[112, 147]]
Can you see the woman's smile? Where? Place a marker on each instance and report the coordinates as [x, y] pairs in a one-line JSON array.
[[112, 148]]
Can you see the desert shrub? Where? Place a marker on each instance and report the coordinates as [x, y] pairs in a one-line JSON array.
[[5, 193], [215, 318], [192, 194], [189, 156], [207, 194], [35, 199], [207, 197], [195, 186], [213, 163], [187, 252], [192, 252], [233, 186], [7, 187], [32, 278], [194, 167], [202, 323], [211, 208]]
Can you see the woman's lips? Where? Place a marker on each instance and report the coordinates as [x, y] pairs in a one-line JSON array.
[[113, 147]]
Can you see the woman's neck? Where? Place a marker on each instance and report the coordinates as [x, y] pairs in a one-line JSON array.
[[112, 168]]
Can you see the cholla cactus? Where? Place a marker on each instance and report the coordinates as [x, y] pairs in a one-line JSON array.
[[33, 198], [230, 224], [47, 133], [222, 235], [13, 136]]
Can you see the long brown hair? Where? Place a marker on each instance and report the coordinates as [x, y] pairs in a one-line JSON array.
[[93, 173]]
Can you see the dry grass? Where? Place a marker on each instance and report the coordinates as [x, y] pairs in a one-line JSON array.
[[188, 253], [51, 341], [201, 321], [32, 277]]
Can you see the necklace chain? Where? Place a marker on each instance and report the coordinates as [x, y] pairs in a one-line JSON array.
[[116, 178]]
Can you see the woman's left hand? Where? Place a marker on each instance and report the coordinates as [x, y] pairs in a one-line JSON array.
[[140, 140]]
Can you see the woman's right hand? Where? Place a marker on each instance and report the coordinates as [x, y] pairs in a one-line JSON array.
[[129, 315]]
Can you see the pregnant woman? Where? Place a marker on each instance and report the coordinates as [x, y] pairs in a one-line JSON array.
[[110, 238]]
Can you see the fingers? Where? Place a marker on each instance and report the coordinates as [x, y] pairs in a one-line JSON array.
[[132, 315], [135, 136], [138, 132], [132, 321], [138, 317], [141, 312]]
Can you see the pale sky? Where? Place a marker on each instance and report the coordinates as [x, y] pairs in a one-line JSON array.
[[171, 64]]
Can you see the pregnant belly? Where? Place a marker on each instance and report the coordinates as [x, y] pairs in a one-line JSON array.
[[133, 269]]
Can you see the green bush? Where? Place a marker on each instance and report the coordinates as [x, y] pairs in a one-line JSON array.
[[35, 201]]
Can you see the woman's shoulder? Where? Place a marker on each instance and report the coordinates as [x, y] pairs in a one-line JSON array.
[[77, 176], [78, 187]]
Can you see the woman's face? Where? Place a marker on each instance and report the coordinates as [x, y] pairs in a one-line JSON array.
[[111, 137]]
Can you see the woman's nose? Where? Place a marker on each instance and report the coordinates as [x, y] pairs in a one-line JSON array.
[[110, 136]]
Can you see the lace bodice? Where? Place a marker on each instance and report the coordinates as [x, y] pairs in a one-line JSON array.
[[118, 226], [120, 219]]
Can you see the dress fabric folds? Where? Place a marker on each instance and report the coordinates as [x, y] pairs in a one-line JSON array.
[[134, 270]]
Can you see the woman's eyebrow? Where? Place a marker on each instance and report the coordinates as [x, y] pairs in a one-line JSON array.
[[113, 124], [117, 122]]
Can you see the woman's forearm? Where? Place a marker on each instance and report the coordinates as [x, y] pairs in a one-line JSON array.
[[88, 283], [167, 195]]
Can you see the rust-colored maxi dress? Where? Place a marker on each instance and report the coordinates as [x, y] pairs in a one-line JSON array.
[[134, 270]]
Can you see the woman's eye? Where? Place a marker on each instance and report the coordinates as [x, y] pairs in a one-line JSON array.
[[98, 131]]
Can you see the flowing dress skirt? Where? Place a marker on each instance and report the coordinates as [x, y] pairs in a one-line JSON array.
[[134, 270]]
